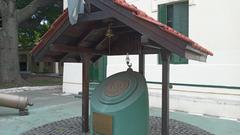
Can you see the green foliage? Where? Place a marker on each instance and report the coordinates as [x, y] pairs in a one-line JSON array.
[[31, 30], [27, 37]]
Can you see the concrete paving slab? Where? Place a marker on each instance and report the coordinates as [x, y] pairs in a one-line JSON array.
[[214, 125], [52, 105]]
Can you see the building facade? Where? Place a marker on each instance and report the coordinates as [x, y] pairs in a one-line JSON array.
[[214, 24], [27, 65], [210, 88]]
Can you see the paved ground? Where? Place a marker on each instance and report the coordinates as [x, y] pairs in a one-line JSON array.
[[51, 106], [73, 126]]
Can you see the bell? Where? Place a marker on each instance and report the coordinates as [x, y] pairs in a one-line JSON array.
[[109, 32]]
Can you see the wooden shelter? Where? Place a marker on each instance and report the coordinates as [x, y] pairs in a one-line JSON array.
[[114, 27]]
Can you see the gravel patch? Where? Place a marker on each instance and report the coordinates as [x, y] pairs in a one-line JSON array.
[[73, 126]]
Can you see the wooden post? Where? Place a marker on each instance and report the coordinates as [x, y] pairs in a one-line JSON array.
[[141, 64], [85, 93], [165, 91]]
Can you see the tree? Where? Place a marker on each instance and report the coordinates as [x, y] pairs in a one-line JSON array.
[[12, 18]]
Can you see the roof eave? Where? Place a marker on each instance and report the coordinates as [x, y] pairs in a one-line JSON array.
[[194, 54]]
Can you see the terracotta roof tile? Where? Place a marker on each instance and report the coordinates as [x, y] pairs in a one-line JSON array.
[[135, 11], [51, 31], [140, 14]]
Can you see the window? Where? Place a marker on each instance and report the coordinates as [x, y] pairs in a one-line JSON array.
[[176, 16]]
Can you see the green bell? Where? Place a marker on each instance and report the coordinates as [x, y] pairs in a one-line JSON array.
[[120, 106]]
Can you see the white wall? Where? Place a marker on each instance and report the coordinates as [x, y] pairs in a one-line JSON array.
[[72, 78], [214, 25], [72, 74], [223, 103]]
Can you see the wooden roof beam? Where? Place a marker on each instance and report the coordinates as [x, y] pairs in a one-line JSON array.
[[69, 58], [94, 16], [167, 41], [102, 45], [74, 49], [94, 32]]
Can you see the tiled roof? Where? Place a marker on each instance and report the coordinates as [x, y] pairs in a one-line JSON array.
[[51, 31], [58, 23], [138, 13]]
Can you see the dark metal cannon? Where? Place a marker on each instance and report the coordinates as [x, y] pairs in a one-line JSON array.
[[15, 101]]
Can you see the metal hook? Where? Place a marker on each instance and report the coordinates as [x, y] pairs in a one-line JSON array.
[[128, 61]]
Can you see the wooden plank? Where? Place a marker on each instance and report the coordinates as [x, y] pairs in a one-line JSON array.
[[99, 15], [95, 58], [102, 45], [149, 50], [165, 91], [49, 59], [142, 63], [93, 37], [75, 31], [127, 43], [161, 37], [94, 16], [85, 93], [42, 52], [127, 47], [65, 39], [75, 49], [68, 58]]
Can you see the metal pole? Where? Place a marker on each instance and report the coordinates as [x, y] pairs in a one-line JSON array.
[[85, 93], [165, 91], [142, 64]]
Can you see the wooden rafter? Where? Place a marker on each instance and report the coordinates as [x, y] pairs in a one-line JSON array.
[[167, 41], [75, 49], [94, 16], [92, 36]]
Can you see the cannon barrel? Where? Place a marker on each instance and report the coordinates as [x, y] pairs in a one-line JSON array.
[[14, 101]]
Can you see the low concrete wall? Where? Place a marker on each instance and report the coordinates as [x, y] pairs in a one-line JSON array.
[[29, 88], [223, 103]]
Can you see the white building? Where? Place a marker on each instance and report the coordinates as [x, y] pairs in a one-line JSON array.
[[212, 23], [216, 83]]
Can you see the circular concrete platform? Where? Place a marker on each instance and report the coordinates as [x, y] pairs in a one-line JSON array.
[[73, 126]]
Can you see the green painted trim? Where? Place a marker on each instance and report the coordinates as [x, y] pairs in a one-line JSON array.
[[98, 70], [198, 85], [180, 24]]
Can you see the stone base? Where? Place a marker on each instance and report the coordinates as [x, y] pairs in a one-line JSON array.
[[73, 126]]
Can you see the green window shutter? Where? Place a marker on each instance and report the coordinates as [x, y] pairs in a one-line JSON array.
[[162, 13], [180, 17], [92, 72], [162, 17], [175, 59], [102, 72], [180, 23], [98, 69], [178, 13]]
